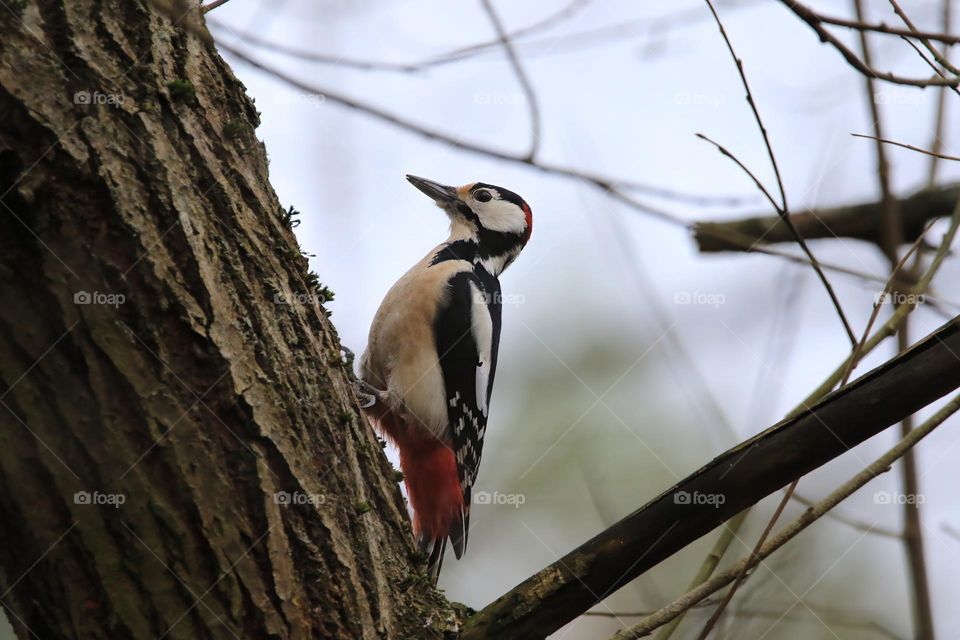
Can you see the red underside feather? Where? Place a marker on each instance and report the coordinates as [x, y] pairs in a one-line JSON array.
[[430, 474]]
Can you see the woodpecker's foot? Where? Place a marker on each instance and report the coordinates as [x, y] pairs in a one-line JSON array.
[[368, 394]]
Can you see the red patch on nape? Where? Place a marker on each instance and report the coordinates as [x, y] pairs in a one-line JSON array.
[[529, 216]]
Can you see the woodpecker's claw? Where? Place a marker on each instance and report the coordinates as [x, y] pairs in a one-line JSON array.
[[368, 394]]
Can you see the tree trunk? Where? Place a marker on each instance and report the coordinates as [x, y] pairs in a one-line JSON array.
[[181, 454]]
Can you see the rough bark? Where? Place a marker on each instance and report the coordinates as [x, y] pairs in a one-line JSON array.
[[129, 167]]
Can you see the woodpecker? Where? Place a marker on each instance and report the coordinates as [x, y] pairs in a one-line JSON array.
[[427, 373]]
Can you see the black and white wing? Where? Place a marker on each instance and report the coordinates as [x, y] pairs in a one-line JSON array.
[[468, 335]]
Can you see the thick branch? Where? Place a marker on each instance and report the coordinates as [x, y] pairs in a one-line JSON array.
[[727, 485], [862, 221]]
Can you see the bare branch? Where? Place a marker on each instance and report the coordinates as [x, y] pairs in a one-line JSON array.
[[614, 186], [936, 144], [853, 523], [859, 25], [835, 616], [456, 55], [815, 22], [743, 475], [906, 146], [939, 57], [213, 5], [532, 104], [811, 515], [861, 221], [729, 239], [782, 210]]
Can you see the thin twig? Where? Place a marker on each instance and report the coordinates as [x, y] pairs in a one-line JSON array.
[[815, 22], [930, 63], [853, 523], [522, 78], [563, 43], [790, 531], [851, 364], [943, 37], [877, 304], [785, 216], [834, 616], [728, 596], [614, 188], [782, 209], [912, 535], [456, 55], [889, 327], [708, 566], [906, 146], [213, 5], [936, 144], [939, 57]]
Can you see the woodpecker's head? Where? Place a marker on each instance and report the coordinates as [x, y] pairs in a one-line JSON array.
[[496, 219]]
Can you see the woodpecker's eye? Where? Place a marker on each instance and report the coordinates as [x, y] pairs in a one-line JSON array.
[[483, 195]]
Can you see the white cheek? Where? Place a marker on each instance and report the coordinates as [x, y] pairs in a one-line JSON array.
[[500, 215]]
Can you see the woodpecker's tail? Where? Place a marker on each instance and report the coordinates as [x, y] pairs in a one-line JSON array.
[[430, 473], [436, 547]]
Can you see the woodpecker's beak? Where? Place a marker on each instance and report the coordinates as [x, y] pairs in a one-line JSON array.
[[443, 195]]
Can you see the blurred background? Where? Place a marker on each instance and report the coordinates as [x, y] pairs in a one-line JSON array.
[[628, 359]]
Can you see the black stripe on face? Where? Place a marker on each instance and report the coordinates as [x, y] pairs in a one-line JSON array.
[[492, 243]]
